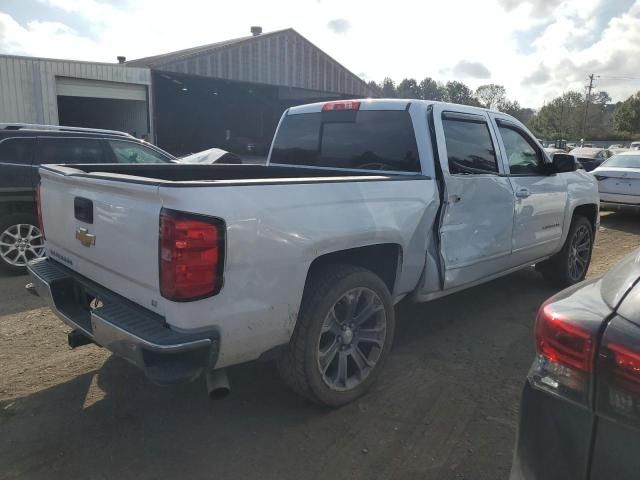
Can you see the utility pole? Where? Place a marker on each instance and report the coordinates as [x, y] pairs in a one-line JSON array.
[[586, 105]]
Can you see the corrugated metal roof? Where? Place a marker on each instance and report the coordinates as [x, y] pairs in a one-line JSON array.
[[282, 58], [164, 58]]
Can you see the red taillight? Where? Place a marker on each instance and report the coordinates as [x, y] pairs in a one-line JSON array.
[[39, 209], [563, 342], [341, 105], [625, 363], [565, 357], [618, 372], [191, 255]]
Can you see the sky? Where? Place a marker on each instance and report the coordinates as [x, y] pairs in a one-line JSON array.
[[535, 48]]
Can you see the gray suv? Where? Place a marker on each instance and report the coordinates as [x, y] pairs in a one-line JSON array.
[[23, 148]]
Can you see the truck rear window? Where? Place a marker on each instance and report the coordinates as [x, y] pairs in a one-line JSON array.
[[367, 140]]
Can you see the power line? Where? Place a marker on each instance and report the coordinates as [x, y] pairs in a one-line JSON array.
[[618, 77]]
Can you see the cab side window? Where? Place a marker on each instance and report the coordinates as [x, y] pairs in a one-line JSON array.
[[469, 146], [523, 157]]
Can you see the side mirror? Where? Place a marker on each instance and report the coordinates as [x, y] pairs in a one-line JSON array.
[[563, 163]]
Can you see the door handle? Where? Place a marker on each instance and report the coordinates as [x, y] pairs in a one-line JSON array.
[[523, 193]]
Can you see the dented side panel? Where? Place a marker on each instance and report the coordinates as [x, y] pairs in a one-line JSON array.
[[274, 232]]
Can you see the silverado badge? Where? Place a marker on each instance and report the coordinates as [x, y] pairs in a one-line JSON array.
[[87, 239]]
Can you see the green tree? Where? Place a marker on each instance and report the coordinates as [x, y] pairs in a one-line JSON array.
[[408, 88], [458, 92], [564, 117], [560, 118], [388, 88], [492, 96], [514, 109], [376, 91], [627, 115], [432, 90]]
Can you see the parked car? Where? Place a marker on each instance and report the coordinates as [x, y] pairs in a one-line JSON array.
[[617, 150], [212, 155], [634, 146], [590, 157], [361, 204], [580, 409], [619, 179], [23, 148]]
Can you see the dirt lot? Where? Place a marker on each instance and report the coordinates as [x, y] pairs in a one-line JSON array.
[[446, 406]]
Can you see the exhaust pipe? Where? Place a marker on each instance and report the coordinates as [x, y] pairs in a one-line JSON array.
[[217, 383]]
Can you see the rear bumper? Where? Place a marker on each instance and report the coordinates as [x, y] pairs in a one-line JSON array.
[[553, 439], [620, 199], [128, 330]]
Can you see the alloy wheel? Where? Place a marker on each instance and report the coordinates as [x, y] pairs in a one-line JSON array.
[[579, 252], [352, 339], [21, 243]]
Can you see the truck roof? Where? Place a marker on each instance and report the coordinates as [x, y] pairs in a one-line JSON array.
[[377, 104]]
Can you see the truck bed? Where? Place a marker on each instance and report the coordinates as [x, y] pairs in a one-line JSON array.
[[209, 175], [278, 220]]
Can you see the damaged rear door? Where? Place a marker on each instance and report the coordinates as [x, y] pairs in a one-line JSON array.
[[476, 223]]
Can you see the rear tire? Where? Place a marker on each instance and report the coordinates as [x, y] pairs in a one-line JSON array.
[[20, 242], [570, 265], [343, 335]]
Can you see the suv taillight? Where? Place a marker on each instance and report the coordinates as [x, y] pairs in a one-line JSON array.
[[39, 209], [619, 372], [565, 354], [191, 255]]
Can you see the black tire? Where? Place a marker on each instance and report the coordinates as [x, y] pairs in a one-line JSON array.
[[6, 256], [558, 269], [333, 288]]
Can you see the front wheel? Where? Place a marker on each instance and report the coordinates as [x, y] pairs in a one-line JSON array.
[[20, 241], [570, 265], [344, 333]]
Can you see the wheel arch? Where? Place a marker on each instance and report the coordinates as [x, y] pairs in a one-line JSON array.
[[383, 259], [588, 210]]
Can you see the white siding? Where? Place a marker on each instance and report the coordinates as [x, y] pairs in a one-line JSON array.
[[28, 85]]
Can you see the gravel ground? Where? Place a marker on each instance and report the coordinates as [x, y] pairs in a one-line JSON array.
[[445, 407]]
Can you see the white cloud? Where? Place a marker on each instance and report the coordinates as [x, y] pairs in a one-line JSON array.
[[44, 39], [465, 69], [572, 38], [339, 25]]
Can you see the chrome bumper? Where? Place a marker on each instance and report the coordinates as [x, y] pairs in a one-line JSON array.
[[128, 330]]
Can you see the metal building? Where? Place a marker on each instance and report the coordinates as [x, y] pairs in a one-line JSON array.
[[228, 94], [83, 94], [231, 94]]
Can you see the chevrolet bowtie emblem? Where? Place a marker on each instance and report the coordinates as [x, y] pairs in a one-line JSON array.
[[87, 239]]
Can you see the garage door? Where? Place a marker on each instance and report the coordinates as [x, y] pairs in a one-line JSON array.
[[79, 87]]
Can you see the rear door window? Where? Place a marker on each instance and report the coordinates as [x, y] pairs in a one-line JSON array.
[[71, 150], [352, 139], [131, 152], [17, 151], [469, 146]]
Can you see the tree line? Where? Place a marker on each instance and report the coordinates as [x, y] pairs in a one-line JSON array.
[[567, 116]]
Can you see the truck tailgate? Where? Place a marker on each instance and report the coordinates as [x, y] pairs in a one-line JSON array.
[[122, 255]]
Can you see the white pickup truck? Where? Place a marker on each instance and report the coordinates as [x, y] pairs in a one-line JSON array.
[[188, 269]]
